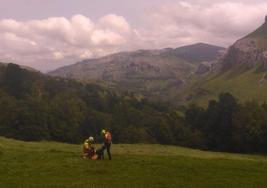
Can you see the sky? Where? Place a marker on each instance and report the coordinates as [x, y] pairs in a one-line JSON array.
[[46, 34]]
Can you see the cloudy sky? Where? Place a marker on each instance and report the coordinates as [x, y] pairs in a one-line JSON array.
[[46, 34]]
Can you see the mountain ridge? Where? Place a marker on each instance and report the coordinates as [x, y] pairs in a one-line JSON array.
[[250, 50], [242, 72], [151, 73], [21, 66]]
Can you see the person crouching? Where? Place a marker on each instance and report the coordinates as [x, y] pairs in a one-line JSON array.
[[88, 148]]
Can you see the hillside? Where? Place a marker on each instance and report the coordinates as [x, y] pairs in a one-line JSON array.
[[246, 84], [157, 74], [260, 35], [250, 50], [39, 107], [199, 52], [50, 164], [242, 72], [21, 66]]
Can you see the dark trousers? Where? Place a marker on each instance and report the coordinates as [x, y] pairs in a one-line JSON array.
[[100, 153], [108, 146]]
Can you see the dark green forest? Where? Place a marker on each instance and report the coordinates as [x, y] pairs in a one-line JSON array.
[[36, 107]]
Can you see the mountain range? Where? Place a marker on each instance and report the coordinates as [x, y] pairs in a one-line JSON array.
[[194, 73], [157, 74]]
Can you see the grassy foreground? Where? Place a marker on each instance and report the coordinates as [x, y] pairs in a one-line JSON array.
[[50, 164]]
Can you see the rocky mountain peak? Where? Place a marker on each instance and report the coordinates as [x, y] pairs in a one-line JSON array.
[[266, 19]]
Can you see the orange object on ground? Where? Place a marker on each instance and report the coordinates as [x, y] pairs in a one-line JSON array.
[[94, 157]]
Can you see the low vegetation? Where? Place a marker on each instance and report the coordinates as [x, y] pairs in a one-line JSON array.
[[51, 164]]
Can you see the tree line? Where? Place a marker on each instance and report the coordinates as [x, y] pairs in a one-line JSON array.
[[227, 125], [36, 107]]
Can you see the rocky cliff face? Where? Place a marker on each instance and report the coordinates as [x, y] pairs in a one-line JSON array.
[[246, 52], [264, 60], [250, 50]]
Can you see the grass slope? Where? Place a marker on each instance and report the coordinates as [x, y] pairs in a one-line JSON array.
[[246, 84], [260, 35], [48, 164]]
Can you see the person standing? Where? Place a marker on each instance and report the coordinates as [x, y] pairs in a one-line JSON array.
[[107, 141]]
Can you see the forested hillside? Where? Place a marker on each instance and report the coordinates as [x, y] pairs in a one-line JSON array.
[[38, 107]]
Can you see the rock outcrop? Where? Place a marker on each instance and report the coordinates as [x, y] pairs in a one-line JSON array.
[[250, 50], [205, 67], [264, 60], [244, 51]]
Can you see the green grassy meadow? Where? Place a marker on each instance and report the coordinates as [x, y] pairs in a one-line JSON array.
[[51, 164]]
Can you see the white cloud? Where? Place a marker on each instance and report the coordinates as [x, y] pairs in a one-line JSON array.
[[57, 41], [115, 23], [43, 43], [219, 22]]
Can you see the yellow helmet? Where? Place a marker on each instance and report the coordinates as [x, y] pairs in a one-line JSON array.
[[103, 132]]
